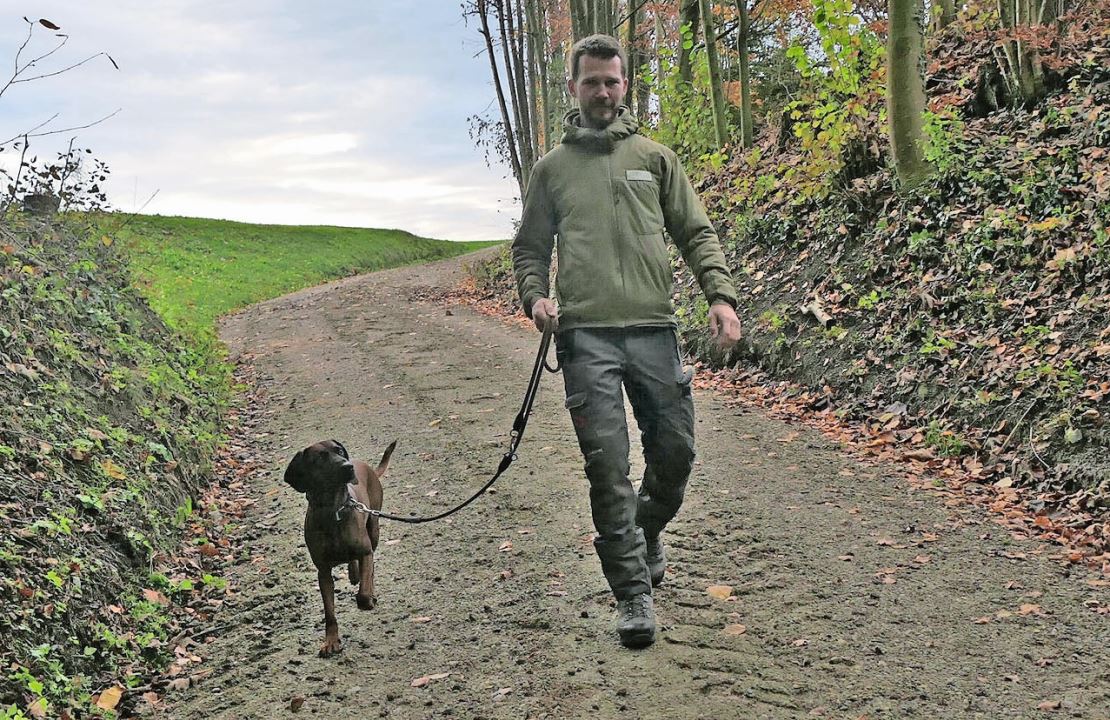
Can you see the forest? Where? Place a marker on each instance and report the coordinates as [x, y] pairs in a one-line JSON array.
[[913, 199]]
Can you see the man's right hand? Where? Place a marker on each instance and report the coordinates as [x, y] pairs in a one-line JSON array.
[[545, 314]]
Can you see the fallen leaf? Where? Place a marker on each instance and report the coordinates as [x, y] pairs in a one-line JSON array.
[[1030, 609], [505, 546], [721, 592], [800, 642], [110, 698], [735, 629], [983, 620], [419, 619], [295, 703], [421, 681], [1049, 705], [922, 559], [155, 597]]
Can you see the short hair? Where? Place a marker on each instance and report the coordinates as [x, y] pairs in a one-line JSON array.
[[598, 46]]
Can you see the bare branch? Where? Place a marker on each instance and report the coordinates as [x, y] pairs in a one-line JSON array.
[[62, 130], [66, 69]]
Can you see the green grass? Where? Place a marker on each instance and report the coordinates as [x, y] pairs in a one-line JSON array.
[[193, 270]]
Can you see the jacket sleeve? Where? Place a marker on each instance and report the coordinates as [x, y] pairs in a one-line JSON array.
[[533, 243], [689, 227]]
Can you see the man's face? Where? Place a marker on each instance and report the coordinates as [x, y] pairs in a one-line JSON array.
[[600, 88]]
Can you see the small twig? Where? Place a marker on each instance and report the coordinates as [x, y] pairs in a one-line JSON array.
[[62, 130], [65, 69], [134, 214], [18, 174], [1034, 449]]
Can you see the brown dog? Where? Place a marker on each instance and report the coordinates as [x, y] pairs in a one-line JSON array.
[[338, 527]]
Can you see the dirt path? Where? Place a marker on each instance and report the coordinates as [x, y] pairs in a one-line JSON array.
[[859, 596]]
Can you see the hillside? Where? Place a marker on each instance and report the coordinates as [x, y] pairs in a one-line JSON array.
[[109, 427], [963, 325]]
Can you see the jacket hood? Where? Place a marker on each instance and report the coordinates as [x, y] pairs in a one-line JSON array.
[[624, 125]]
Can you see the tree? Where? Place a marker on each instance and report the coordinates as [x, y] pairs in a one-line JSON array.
[[688, 21], [720, 118], [906, 90], [742, 41]]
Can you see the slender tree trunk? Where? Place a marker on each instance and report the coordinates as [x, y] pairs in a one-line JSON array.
[[688, 17], [944, 14], [579, 18], [537, 20], [746, 129], [906, 90], [514, 160], [643, 90], [520, 57], [720, 120], [528, 33], [514, 71], [633, 54]]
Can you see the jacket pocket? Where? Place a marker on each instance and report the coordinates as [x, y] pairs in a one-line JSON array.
[[642, 209]]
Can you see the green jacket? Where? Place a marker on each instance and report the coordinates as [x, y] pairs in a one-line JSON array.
[[608, 195]]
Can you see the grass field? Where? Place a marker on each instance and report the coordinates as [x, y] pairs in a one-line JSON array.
[[193, 270]]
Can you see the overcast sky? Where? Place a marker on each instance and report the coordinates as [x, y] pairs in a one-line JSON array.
[[349, 112]]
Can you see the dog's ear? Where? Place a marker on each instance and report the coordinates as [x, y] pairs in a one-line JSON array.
[[297, 474]]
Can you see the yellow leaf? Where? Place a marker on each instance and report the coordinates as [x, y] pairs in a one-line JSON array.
[[721, 592], [106, 240], [112, 470], [1047, 224], [110, 698]]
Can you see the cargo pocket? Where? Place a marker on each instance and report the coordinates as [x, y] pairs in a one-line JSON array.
[[576, 404]]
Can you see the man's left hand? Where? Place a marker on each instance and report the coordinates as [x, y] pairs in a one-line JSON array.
[[724, 326]]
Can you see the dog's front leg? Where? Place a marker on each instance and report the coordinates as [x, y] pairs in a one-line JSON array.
[[331, 644], [365, 597]]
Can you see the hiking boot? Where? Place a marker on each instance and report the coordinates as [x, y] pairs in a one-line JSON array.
[[636, 626], [656, 560]]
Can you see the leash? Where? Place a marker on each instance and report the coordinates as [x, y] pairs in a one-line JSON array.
[[515, 437]]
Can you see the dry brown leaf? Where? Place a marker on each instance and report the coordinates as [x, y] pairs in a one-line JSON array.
[[505, 546], [735, 629], [1030, 609], [721, 592], [922, 559], [421, 681], [1048, 705], [110, 698], [419, 619], [295, 703]]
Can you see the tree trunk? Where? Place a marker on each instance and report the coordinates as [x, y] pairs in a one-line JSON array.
[[514, 160], [579, 11], [688, 17], [632, 52], [944, 14], [720, 120], [537, 21], [515, 72], [906, 90], [746, 129]]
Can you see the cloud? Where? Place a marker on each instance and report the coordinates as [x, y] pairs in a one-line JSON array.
[[277, 111]]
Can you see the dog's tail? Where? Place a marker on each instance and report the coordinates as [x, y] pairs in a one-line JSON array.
[[384, 464]]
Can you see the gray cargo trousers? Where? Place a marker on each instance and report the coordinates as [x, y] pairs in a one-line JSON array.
[[596, 363]]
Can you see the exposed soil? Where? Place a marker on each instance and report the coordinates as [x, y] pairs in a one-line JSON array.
[[858, 596]]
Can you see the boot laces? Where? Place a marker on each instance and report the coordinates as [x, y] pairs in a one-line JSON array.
[[636, 607]]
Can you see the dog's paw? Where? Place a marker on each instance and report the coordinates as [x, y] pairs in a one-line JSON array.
[[331, 646], [366, 602]]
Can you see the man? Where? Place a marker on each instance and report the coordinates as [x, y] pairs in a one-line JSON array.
[[609, 193]]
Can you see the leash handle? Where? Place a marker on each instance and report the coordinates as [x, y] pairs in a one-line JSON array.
[[515, 436]]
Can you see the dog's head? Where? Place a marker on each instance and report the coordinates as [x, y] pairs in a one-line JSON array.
[[320, 467]]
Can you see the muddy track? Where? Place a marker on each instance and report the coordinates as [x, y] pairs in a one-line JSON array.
[[857, 595]]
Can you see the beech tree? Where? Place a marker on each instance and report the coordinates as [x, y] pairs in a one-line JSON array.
[[906, 89]]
